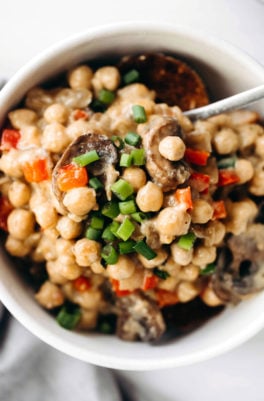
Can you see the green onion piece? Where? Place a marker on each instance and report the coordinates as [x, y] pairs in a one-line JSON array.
[[114, 226], [69, 317], [209, 269], [105, 96], [130, 77], [118, 142], [97, 222], [98, 106], [227, 162], [127, 207], [144, 250], [95, 183], [161, 273], [122, 189], [139, 216], [111, 210], [126, 229], [107, 234], [138, 157], [186, 241], [126, 247], [86, 158], [132, 138], [109, 254], [125, 160], [93, 233], [107, 324], [139, 114]]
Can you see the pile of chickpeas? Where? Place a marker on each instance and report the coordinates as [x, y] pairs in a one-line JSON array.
[[40, 231]]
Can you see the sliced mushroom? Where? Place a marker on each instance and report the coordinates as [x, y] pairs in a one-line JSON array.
[[174, 82], [240, 266], [102, 168], [168, 175], [139, 319]]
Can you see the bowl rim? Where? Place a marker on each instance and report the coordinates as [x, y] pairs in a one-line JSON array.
[[16, 309]]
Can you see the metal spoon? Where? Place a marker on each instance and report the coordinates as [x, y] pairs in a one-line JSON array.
[[230, 103]]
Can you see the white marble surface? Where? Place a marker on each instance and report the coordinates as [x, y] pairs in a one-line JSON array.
[[27, 27]]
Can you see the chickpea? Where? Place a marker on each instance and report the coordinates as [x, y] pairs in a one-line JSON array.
[[171, 267], [54, 272], [135, 176], [88, 299], [248, 135], [49, 295], [88, 319], [54, 138], [19, 193], [186, 291], [21, 117], [157, 261], [203, 255], [122, 269], [210, 298], [169, 284], [257, 183], [189, 272], [30, 137], [86, 252], [133, 282], [38, 99], [172, 148], [134, 92], [80, 201], [98, 268], [171, 222], [74, 98], [244, 170], [10, 164], [215, 232], [106, 77], [68, 228], [225, 141], [80, 77], [45, 250], [64, 246], [16, 247], [20, 223], [56, 113], [77, 128], [149, 197], [239, 215], [202, 211], [181, 256], [68, 268], [260, 146], [46, 215], [243, 117]]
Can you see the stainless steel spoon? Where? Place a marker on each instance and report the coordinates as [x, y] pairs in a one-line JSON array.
[[230, 103]]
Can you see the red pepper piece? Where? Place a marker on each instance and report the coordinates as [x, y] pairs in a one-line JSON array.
[[82, 284], [184, 196], [199, 181], [5, 209], [36, 171], [9, 139], [198, 157], [118, 292], [219, 210], [166, 298], [227, 177], [150, 282], [72, 176], [78, 114]]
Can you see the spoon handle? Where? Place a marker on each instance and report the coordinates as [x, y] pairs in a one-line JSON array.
[[230, 103]]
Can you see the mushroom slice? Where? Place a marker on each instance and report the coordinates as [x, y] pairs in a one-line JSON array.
[[168, 175], [174, 82], [139, 319], [240, 267], [83, 144]]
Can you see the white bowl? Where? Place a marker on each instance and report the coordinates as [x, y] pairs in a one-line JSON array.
[[226, 71]]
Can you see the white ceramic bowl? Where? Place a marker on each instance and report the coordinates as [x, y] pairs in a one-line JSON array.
[[226, 71]]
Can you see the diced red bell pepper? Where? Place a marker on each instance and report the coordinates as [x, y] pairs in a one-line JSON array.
[[82, 284], [199, 181], [36, 171], [78, 114], [219, 210], [118, 292], [5, 209], [150, 281], [9, 139], [71, 176], [184, 196], [227, 177], [197, 157], [166, 298]]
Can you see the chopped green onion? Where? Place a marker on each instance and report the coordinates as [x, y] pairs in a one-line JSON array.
[[209, 269], [93, 233], [131, 76], [107, 324], [105, 96], [139, 114], [109, 254], [107, 235], [69, 317], [227, 162], [126, 229], [139, 216], [138, 157], [144, 250], [97, 106], [125, 160], [111, 210], [86, 158], [161, 273], [126, 247], [127, 207], [97, 222], [95, 183], [132, 138], [118, 142], [114, 226], [122, 189], [186, 241]]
